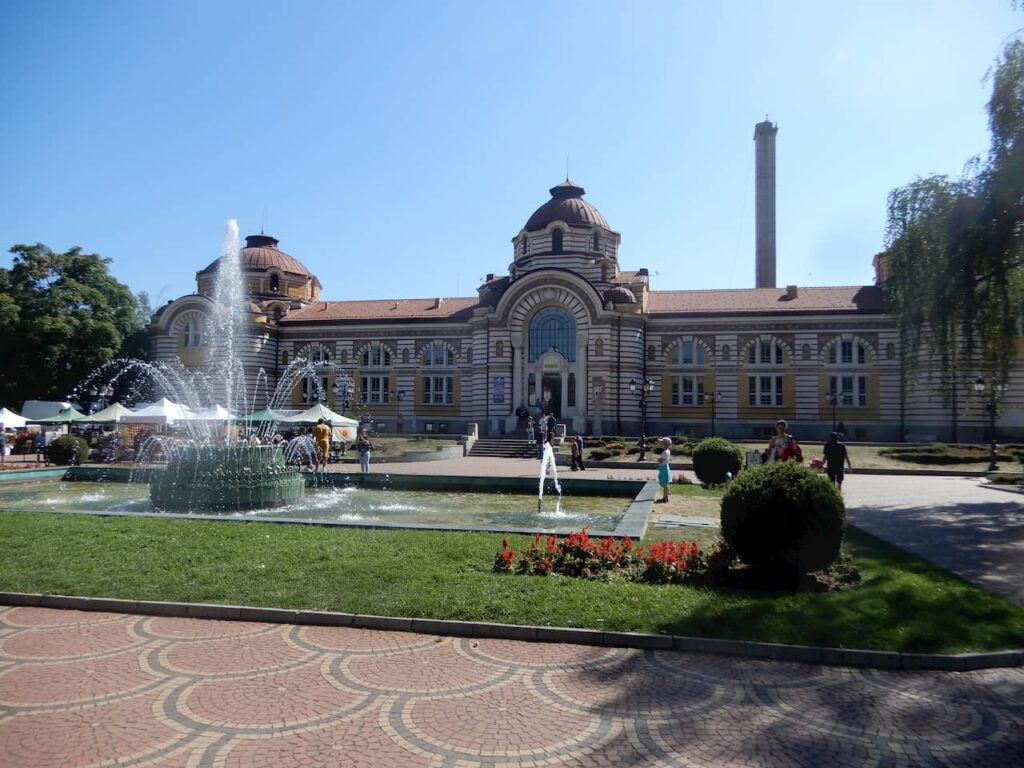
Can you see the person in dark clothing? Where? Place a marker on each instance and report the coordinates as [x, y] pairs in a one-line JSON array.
[[576, 448], [835, 454]]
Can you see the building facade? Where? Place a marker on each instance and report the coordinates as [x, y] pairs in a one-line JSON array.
[[567, 327]]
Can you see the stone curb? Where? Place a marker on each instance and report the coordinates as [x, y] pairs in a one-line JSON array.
[[839, 657]]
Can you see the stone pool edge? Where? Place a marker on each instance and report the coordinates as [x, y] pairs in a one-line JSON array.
[[841, 657]]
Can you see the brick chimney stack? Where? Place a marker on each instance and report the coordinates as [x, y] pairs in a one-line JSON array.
[[764, 203]]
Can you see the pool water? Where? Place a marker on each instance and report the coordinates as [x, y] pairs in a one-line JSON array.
[[344, 505]]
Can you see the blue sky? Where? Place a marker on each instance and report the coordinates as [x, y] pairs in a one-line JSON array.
[[395, 148]]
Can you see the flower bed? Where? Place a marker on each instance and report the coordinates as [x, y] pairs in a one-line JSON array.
[[578, 555]]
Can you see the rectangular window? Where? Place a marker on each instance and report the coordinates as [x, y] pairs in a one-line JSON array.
[[688, 390], [374, 390], [852, 390], [314, 388], [764, 391], [498, 390], [438, 390]]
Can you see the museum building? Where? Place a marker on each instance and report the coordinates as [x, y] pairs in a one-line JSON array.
[[592, 342]]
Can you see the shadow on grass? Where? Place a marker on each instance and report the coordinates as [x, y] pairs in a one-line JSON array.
[[904, 604], [983, 540]]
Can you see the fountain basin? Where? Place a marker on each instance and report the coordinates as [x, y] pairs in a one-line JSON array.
[[225, 478]]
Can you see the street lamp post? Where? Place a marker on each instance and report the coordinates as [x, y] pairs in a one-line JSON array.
[[980, 386], [713, 398], [100, 396], [832, 398], [343, 388], [642, 391], [399, 396]]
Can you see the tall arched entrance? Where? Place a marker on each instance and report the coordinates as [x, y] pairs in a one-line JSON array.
[[551, 362]]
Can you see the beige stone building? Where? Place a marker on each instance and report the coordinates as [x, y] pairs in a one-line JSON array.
[[567, 326]]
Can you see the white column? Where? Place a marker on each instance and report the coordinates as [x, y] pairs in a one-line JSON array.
[[517, 377]]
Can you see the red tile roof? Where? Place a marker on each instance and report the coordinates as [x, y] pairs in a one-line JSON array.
[[854, 298], [457, 309]]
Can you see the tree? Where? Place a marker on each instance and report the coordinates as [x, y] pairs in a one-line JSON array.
[[61, 315], [955, 272]]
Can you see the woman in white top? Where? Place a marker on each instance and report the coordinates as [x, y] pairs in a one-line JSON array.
[[664, 470]]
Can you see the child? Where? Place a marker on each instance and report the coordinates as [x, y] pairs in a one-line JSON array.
[[664, 471]]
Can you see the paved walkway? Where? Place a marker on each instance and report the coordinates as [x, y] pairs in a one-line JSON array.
[[956, 522], [84, 689]]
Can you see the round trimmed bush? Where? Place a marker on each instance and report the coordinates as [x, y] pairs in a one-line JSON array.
[[714, 457], [68, 449], [784, 516]]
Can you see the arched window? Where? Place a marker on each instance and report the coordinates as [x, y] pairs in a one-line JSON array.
[[726, 352], [765, 352], [344, 357], [438, 354], [805, 352], [556, 241], [315, 353], [499, 349], [375, 355], [595, 243], [193, 334], [405, 357], [890, 351], [844, 351], [687, 352], [552, 328], [275, 283], [599, 348]]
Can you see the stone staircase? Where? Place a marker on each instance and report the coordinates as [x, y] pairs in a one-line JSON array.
[[507, 447]]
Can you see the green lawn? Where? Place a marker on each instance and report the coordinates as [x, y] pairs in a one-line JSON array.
[[904, 603]]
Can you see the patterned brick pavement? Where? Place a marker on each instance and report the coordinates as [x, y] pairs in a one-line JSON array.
[[92, 689]]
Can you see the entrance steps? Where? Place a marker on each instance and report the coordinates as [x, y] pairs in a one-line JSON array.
[[509, 447]]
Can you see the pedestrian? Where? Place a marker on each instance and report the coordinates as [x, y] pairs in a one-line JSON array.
[[539, 435], [41, 447], [783, 445], [834, 455], [841, 429], [576, 449], [6, 446], [322, 441], [664, 470], [363, 448], [530, 439]]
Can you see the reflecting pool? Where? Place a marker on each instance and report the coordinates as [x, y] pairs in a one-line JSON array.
[[350, 505]]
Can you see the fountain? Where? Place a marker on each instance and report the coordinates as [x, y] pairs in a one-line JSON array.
[[207, 468]]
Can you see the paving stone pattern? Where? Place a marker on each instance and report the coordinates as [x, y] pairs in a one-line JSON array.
[[87, 689]]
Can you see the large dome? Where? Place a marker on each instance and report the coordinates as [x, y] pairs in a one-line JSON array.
[[261, 253], [566, 204]]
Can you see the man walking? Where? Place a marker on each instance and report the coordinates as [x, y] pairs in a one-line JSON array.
[[835, 454]]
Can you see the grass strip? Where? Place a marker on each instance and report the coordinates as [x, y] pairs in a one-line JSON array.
[[904, 603]]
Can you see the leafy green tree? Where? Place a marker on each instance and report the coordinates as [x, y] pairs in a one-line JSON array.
[[61, 315], [955, 248]]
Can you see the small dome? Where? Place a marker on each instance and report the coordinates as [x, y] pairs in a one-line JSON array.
[[620, 294], [261, 253], [566, 204]]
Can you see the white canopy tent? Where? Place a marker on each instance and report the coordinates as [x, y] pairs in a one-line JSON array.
[[213, 413], [109, 415], [162, 412], [10, 420], [317, 412], [343, 429]]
